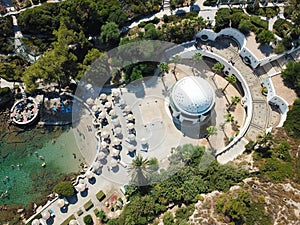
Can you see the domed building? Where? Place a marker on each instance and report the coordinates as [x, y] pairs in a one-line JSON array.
[[192, 100]]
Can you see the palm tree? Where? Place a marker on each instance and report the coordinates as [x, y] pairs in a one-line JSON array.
[[197, 57], [175, 59], [139, 171], [217, 68], [211, 130], [264, 139], [229, 118], [163, 68], [231, 80], [234, 101]]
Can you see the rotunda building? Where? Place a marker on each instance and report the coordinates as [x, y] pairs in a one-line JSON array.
[[192, 100]]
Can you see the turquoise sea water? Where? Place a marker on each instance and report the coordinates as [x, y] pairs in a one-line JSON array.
[[22, 175]]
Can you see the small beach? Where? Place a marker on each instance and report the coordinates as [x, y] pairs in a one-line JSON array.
[[28, 170]]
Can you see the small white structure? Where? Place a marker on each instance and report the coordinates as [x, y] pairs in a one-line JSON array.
[[191, 100]]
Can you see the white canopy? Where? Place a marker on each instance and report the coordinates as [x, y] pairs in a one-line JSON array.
[[107, 105], [130, 117], [103, 144], [73, 222], [131, 137], [96, 166], [112, 112], [45, 215], [89, 174], [94, 108], [127, 108], [113, 163], [116, 122], [102, 115], [117, 141], [35, 222], [103, 96], [115, 152], [104, 134], [90, 101], [143, 141], [130, 126], [100, 155], [60, 203], [81, 187], [118, 130], [131, 148]]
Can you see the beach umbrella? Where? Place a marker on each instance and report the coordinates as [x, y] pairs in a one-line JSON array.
[[102, 115], [117, 141], [96, 166], [115, 152], [122, 102], [131, 137], [127, 108], [131, 148], [116, 122], [81, 187], [143, 141], [112, 112], [118, 130], [35, 222], [100, 155], [89, 174], [45, 215], [130, 117], [104, 134], [60, 203], [94, 108], [113, 162], [103, 144], [82, 181], [90, 101], [73, 222], [107, 105], [115, 93], [130, 126], [88, 86], [103, 96]]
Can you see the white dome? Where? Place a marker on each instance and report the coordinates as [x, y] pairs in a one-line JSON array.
[[193, 95]]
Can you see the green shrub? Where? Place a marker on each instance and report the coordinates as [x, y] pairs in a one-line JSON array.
[[4, 91], [88, 220], [88, 205], [80, 212], [258, 22], [65, 188], [102, 216], [292, 123], [168, 218], [100, 195]]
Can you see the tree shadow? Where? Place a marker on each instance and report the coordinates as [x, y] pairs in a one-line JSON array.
[[73, 199]]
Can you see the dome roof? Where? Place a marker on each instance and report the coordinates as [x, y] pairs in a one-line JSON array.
[[193, 95]]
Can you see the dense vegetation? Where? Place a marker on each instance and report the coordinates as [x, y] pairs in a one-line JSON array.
[[292, 123], [64, 188], [291, 75], [6, 35], [183, 187], [241, 209], [241, 21]]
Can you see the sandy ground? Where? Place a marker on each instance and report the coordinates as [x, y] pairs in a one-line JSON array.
[[282, 90]]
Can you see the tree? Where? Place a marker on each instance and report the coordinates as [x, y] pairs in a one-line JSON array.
[[197, 57], [234, 101], [229, 118], [231, 80], [110, 33], [168, 218], [211, 130], [217, 68], [139, 170], [291, 74], [64, 188], [292, 122], [245, 26], [265, 37], [163, 68], [88, 220], [175, 59]]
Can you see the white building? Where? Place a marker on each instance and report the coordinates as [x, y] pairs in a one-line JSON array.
[[191, 101]]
